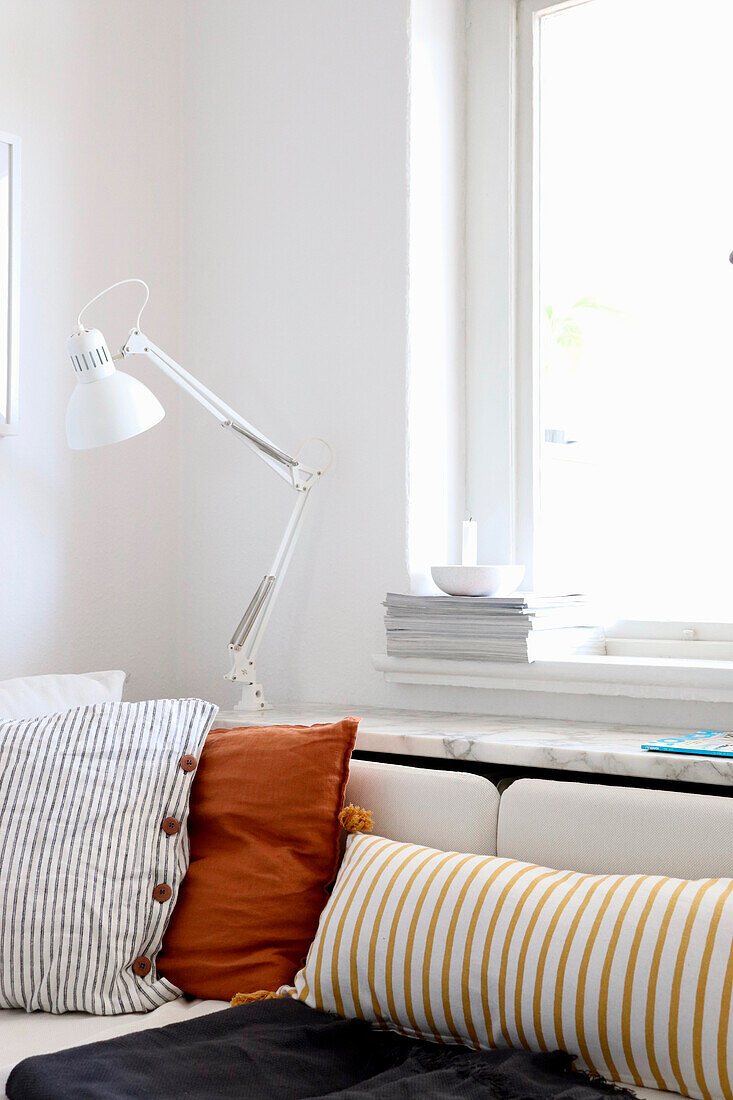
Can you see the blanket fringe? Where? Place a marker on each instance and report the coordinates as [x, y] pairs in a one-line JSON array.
[[258, 995]]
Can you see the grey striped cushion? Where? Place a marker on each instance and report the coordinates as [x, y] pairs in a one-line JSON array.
[[83, 796]]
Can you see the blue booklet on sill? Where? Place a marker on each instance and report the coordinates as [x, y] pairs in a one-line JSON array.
[[702, 743]]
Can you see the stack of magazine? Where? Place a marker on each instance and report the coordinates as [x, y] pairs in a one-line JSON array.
[[521, 628]]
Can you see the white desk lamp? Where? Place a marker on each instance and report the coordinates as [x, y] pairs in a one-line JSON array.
[[108, 406]]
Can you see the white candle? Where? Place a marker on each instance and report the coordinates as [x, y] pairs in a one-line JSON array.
[[469, 554]]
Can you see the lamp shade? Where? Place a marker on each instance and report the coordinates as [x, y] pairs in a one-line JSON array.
[[107, 405]]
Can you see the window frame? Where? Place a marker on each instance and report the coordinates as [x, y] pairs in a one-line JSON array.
[[528, 45], [502, 325]]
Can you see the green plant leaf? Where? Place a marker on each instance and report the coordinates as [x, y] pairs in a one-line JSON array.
[[569, 333], [592, 303]]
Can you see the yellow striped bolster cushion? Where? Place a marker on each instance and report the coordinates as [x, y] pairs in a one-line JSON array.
[[633, 973]]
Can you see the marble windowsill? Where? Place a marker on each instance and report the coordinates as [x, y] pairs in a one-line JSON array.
[[520, 742]]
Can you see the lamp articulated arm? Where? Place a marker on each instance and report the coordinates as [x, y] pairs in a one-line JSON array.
[[247, 638]]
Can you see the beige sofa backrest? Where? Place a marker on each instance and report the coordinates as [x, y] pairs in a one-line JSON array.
[[616, 830], [587, 827], [441, 809]]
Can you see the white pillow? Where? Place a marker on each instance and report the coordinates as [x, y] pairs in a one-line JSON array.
[[93, 847], [32, 696]]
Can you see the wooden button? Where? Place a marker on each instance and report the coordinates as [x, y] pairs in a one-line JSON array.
[[171, 826], [141, 966], [188, 762], [162, 892]]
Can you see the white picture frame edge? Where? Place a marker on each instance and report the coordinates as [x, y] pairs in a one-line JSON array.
[[9, 424]]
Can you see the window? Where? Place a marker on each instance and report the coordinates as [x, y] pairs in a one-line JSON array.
[[591, 239], [624, 304]]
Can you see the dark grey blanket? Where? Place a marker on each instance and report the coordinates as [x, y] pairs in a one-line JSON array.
[[283, 1050]]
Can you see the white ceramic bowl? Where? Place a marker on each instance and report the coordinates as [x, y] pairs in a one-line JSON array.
[[478, 580]]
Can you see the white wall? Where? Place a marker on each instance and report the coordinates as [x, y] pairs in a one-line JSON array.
[[251, 160], [295, 244], [91, 86]]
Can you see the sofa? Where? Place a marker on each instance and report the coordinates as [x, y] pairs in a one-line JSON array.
[[586, 827]]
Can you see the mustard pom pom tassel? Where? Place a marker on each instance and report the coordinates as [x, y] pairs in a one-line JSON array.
[[355, 820], [248, 998]]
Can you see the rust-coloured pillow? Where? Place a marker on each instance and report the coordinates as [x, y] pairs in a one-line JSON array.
[[264, 833]]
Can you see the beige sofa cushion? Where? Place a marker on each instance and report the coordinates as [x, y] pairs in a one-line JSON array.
[[441, 809], [616, 830], [25, 1034]]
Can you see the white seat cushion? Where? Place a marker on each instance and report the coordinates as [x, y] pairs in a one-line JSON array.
[[24, 1034], [28, 1033], [616, 830], [439, 809]]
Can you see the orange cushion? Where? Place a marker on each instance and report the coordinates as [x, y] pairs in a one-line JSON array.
[[264, 834]]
